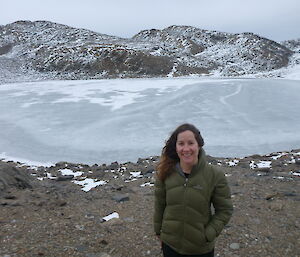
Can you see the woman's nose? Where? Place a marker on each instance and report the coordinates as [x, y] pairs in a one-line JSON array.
[[185, 148]]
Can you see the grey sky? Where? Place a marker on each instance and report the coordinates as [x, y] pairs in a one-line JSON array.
[[275, 19]]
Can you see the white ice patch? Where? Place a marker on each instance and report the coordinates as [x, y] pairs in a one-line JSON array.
[[49, 175], [147, 184], [279, 177], [113, 215], [136, 174], [264, 164], [292, 161], [232, 163], [127, 181], [89, 183], [275, 157], [296, 173], [260, 164], [66, 172]]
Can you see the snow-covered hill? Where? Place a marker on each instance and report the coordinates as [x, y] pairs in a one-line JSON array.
[[43, 49]]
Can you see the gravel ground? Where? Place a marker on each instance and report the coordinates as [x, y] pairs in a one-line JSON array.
[[49, 215]]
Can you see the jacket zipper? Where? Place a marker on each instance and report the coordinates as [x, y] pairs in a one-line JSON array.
[[184, 200]]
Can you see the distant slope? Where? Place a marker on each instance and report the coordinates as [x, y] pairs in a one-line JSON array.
[[43, 49]]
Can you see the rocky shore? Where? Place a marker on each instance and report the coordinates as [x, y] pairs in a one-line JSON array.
[[106, 210]]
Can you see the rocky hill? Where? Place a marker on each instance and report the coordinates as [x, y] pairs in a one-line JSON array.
[[43, 49], [106, 210]]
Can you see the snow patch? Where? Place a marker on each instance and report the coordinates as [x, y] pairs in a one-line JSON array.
[[89, 183], [66, 172]]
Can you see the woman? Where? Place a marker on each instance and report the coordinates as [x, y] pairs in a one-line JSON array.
[[186, 186]]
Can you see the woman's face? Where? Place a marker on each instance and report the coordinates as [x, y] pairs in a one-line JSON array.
[[187, 148]]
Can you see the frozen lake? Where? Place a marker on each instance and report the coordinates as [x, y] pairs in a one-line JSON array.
[[100, 121]]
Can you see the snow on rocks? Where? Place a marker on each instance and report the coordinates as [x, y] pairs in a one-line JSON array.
[[88, 183], [232, 162], [66, 172], [260, 164]]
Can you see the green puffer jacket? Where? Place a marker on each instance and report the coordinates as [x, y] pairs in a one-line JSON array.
[[183, 216]]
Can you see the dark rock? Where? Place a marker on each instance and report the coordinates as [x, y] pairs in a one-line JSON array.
[[255, 157], [61, 164], [10, 197], [121, 198], [5, 49], [243, 165], [82, 248], [13, 177], [290, 194], [61, 203], [114, 166], [103, 242], [272, 196], [65, 178]]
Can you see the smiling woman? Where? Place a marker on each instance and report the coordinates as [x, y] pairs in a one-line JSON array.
[[187, 149], [185, 188]]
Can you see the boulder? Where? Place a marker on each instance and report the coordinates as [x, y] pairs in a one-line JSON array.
[[13, 177]]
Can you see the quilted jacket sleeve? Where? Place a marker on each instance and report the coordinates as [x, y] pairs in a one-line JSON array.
[[159, 204], [221, 200]]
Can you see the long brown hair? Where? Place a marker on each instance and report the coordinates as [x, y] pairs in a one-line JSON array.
[[169, 156]]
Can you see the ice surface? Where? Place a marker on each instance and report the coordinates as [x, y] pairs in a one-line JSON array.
[[101, 121]]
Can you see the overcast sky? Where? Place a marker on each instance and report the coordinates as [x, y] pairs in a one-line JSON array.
[[274, 19]]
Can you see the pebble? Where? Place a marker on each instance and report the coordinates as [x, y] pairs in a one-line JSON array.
[[235, 246], [79, 227], [121, 198]]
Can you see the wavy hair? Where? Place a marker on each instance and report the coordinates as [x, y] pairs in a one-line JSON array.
[[169, 156]]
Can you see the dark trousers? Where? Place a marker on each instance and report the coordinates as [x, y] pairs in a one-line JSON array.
[[169, 252]]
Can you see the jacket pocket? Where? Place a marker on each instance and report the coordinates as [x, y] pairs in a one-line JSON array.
[[210, 233], [196, 234]]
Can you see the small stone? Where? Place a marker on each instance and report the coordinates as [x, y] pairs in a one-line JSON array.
[[256, 221], [81, 248], [129, 219], [79, 227], [104, 255], [65, 178], [276, 206], [103, 242], [121, 197], [235, 246], [10, 197], [89, 216]]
